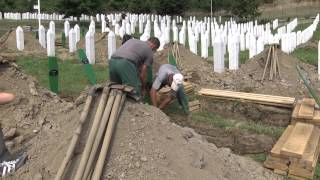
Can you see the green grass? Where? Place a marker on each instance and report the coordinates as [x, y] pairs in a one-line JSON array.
[[72, 77], [273, 131], [225, 123], [244, 56], [213, 119], [307, 54], [261, 157]]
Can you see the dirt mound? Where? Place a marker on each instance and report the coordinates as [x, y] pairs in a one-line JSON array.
[[248, 77], [146, 144]]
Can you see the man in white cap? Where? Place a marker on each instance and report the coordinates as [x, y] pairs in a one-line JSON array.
[[167, 75]]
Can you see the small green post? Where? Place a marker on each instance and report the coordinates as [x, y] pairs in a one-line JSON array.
[[53, 74], [63, 40], [87, 66]]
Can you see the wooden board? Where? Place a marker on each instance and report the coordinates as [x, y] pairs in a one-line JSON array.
[[295, 112], [276, 165], [194, 108], [304, 173], [311, 154], [296, 177], [257, 98], [194, 103], [297, 141], [316, 115], [307, 108], [275, 151], [283, 173]]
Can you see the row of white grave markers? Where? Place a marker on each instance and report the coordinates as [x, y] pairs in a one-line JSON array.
[[20, 38], [250, 36], [289, 41]]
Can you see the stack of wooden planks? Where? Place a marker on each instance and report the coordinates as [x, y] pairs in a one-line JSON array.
[[296, 152], [194, 106], [188, 88], [250, 97], [305, 111]]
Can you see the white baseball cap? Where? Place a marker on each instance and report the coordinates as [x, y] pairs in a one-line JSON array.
[[177, 81]]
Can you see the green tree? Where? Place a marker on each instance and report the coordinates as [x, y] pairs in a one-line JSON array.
[[242, 9], [139, 6], [171, 7], [78, 7]]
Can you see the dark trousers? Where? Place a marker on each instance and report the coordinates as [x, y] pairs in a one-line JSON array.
[[4, 153]]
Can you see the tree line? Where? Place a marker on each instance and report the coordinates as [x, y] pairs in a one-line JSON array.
[[244, 9]]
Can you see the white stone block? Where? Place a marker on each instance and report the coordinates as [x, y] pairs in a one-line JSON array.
[[77, 31], [218, 55], [20, 38], [52, 27], [42, 36], [111, 44], [50, 43], [66, 28], [90, 47], [72, 41]]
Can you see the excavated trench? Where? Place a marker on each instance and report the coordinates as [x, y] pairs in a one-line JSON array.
[[245, 128]]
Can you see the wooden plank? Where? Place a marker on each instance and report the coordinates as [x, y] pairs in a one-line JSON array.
[[316, 115], [297, 141], [296, 177], [311, 154], [295, 112], [249, 96], [276, 165], [193, 103], [307, 108], [223, 92], [251, 101], [194, 108], [304, 173], [278, 171], [275, 151]]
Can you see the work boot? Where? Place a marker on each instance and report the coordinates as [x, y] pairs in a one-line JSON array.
[[8, 167]]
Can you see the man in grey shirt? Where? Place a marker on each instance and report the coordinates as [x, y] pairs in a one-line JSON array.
[[167, 75], [128, 65]]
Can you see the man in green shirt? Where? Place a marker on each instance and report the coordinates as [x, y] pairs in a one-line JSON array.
[[128, 65]]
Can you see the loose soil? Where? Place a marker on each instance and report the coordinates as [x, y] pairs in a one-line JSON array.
[[146, 144]]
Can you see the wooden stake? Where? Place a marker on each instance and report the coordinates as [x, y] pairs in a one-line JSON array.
[[76, 135], [92, 135], [101, 131], [107, 138], [266, 66], [278, 65]]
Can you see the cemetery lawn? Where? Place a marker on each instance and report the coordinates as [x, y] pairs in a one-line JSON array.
[[307, 54], [72, 77]]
